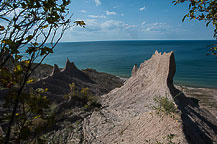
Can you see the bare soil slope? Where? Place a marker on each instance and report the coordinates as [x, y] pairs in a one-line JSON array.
[[128, 116]]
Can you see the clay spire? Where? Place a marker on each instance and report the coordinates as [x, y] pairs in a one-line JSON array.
[[135, 69], [70, 66], [55, 70]]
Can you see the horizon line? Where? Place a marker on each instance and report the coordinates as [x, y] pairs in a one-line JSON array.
[[140, 40]]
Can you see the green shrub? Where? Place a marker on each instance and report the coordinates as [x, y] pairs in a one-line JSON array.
[[82, 97], [165, 105]]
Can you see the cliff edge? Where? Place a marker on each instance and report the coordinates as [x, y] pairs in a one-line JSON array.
[[129, 116]]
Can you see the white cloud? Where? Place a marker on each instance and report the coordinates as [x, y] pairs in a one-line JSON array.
[[84, 11], [143, 8], [98, 2], [116, 6], [112, 24], [143, 23], [107, 26], [96, 16], [115, 25], [97, 25], [157, 27], [92, 25], [110, 13], [91, 21], [104, 29]]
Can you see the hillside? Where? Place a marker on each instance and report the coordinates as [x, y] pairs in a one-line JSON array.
[[146, 108]]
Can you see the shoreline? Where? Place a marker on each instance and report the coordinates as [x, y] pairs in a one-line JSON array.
[[207, 96], [192, 85], [179, 84], [48, 69]]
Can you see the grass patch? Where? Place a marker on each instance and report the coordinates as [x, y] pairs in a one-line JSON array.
[[165, 105], [169, 140]]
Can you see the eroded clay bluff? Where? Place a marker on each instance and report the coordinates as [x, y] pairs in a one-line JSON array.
[[128, 117], [58, 81]]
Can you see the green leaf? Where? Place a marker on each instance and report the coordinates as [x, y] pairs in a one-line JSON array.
[[45, 26], [35, 44], [46, 50], [18, 57], [29, 81], [12, 45], [2, 28], [28, 38], [18, 68], [80, 23], [23, 5], [31, 49]]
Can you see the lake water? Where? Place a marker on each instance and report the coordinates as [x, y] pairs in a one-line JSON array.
[[194, 67]]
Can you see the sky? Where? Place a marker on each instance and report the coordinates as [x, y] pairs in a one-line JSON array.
[[134, 20]]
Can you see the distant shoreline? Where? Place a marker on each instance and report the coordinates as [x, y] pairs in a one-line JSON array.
[[180, 84], [118, 58], [207, 96]]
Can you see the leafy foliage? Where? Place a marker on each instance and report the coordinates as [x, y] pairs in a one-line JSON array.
[[27, 26], [203, 10], [32, 115], [82, 97], [80, 23]]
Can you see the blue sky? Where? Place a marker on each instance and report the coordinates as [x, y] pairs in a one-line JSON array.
[[134, 20]]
